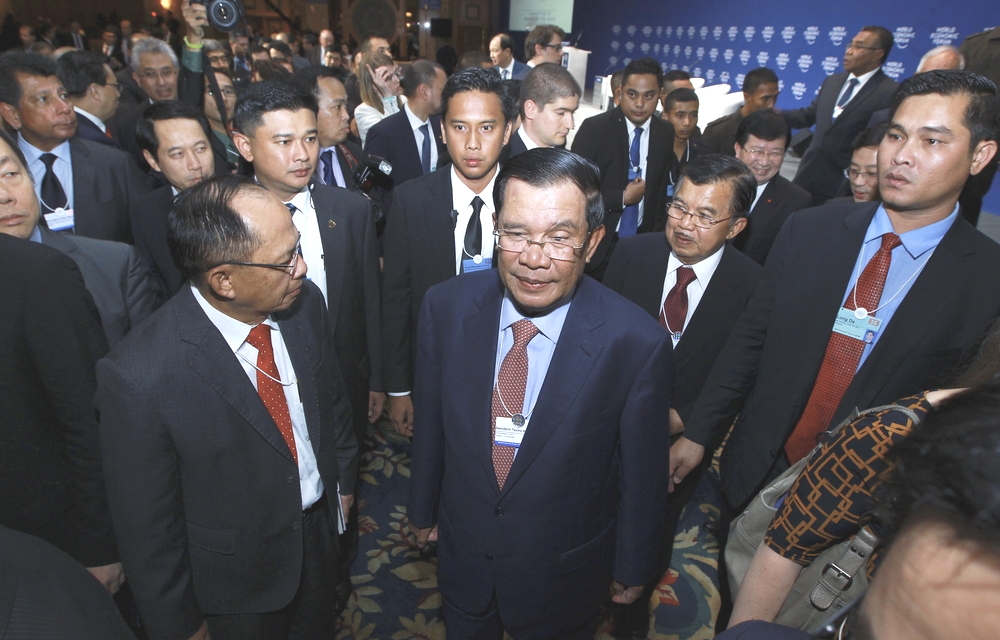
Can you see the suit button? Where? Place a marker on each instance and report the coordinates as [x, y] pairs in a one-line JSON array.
[[290, 479], [499, 511], [296, 526], [489, 556]]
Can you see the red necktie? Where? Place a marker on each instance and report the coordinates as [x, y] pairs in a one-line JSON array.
[[107, 132], [268, 387], [842, 356], [675, 307], [508, 395]]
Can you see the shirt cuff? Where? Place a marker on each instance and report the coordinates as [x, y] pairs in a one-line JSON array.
[[398, 394]]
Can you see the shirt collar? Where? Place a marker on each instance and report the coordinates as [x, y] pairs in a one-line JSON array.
[[631, 127], [89, 116], [233, 331], [549, 325], [302, 200], [865, 77], [36, 235], [702, 270], [415, 122], [32, 153], [509, 68], [462, 195], [526, 139], [916, 242]]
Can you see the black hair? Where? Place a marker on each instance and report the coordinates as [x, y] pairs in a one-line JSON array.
[[473, 58], [418, 73], [271, 70], [310, 38], [715, 168], [145, 130], [642, 67], [12, 143], [870, 137], [266, 96], [483, 81], [283, 48], [885, 39], [77, 70], [764, 124], [757, 77], [506, 42], [307, 80], [682, 94], [676, 74], [545, 84], [204, 230], [982, 114], [26, 63], [549, 167]]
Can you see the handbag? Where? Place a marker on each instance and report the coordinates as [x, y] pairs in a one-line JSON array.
[[833, 579]]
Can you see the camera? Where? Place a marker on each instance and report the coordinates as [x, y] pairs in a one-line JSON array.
[[224, 15]]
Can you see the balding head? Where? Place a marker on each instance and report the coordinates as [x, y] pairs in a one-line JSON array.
[[944, 57]]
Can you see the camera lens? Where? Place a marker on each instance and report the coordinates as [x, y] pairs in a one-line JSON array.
[[224, 14]]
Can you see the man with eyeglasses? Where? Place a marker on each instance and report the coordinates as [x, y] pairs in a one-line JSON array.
[[219, 121], [761, 142], [544, 43], [696, 285], [862, 175], [541, 407], [93, 89], [226, 432], [842, 110]]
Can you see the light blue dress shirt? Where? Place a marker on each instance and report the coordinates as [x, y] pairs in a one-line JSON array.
[[908, 261], [63, 167]]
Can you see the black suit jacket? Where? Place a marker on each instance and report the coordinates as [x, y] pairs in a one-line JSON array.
[[767, 369], [637, 271], [131, 93], [105, 182], [604, 139], [392, 138], [513, 147], [780, 199], [50, 457], [720, 135], [586, 496], [149, 227], [822, 168], [89, 131], [204, 492]]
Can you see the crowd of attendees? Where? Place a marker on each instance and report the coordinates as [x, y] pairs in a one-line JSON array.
[[163, 193]]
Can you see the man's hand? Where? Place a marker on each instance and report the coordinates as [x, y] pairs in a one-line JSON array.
[[634, 191], [621, 594], [111, 576], [346, 502], [685, 455], [376, 402], [401, 414], [676, 424], [202, 633], [195, 17], [430, 534]]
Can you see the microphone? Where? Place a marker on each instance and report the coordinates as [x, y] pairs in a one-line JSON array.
[[371, 168]]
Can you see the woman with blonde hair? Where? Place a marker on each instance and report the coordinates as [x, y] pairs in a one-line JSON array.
[[378, 83]]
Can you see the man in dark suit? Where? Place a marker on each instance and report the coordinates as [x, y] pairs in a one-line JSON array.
[[112, 47], [90, 184], [50, 457], [634, 152], [241, 485], [317, 53], [760, 91], [549, 97], [680, 109], [909, 268], [761, 142], [697, 286], [425, 244], [411, 139], [502, 57], [94, 92], [841, 111], [120, 281], [530, 541]]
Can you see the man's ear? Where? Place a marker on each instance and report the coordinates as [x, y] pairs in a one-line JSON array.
[[738, 225], [530, 109], [242, 143], [220, 283], [10, 115], [151, 160], [985, 151]]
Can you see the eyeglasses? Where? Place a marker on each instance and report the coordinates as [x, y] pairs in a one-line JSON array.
[[117, 86], [761, 154], [219, 58], [554, 247], [702, 221], [226, 91], [557, 47], [163, 74], [287, 268], [853, 174], [854, 45]]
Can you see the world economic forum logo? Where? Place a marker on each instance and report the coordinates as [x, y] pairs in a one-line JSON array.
[[782, 60], [903, 35], [700, 52], [837, 35], [656, 49], [691, 32], [762, 58], [805, 61], [630, 30], [944, 35], [787, 34], [669, 31], [687, 51], [614, 45], [710, 75], [733, 31], [659, 31], [703, 32], [744, 57], [810, 34], [713, 54], [613, 61], [727, 55], [647, 31], [799, 90], [749, 33], [644, 47], [767, 33], [740, 77], [830, 64], [781, 85], [617, 29], [696, 72], [629, 46], [724, 77], [677, 50], [894, 70], [717, 33]]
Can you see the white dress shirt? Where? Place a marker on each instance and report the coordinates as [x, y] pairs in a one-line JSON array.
[[235, 334], [418, 135], [62, 167], [509, 69], [461, 201], [703, 272], [862, 81], [529, 144], [89, 116], [760, 190], [307, 223], [643, 152]]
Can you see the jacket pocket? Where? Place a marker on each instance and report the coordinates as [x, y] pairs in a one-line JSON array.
[[587, 552], [216, 540]]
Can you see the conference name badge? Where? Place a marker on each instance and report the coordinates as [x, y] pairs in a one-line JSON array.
[[60, 219], [476, 263], [849, 324], [508, 432]]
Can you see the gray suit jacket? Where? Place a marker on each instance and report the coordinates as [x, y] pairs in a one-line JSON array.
[[105, 181], [120, 281]]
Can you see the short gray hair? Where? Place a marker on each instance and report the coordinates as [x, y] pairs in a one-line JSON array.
[[151, 45]]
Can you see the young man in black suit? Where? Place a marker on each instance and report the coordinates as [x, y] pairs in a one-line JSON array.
[[93, 89], [761, 142], [549, 97], [760, 91], [634, 152], [424, 243], [910, 267], [697, 286]]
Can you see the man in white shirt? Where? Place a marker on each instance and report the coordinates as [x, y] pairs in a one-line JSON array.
[[549, 98], [502, 56], [93, 89]]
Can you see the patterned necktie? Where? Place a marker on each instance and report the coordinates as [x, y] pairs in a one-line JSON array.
[[675, 307], [270, 391], [508, 395], [425, 152], [327, 158], [844, 99], [53, 196], [842, 356], [629, 224]]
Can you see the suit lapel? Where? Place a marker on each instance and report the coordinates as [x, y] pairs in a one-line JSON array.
[[83, 176], [649, 282], [440, 227], [213, 360], [297, 341], [332, 227], [862, 95], [57, 241], [574, 358]]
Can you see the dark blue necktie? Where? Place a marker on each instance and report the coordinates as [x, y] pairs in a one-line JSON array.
[[327, 158], [844, 99], [425, 152], [629, 224], [53, 195]]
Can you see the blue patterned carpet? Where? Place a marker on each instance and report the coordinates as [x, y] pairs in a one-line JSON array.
[[395, 583]]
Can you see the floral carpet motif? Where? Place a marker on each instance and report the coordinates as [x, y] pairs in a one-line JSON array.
[[395, 582]]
